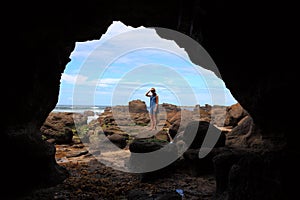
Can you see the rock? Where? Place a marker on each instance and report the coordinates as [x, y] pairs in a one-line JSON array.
[[176, 117], [162, 135], [238, 135], [142, 162], [60, 126], [170, 107], [137, 106], [197, 108], [135, 113], [218, 115], [170, 110], [79, 119], [248, 175], [179, 121], [141, 119], [110, 130], [199, 129], [199, 166], [203, 111], [234, 114], [88, 113], [222, 165], [173, 130], [65, 137], [145, 145], [119, 140]]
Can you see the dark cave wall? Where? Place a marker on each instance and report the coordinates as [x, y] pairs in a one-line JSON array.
[[238, 35]]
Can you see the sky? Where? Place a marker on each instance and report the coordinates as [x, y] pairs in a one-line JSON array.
[[125, 62]]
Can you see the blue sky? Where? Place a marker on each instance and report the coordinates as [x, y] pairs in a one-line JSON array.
[[125, 62]]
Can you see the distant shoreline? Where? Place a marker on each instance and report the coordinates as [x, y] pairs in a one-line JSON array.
[[79, 108], [98, 109], [97, 106]]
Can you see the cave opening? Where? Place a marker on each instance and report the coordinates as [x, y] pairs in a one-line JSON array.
[[41, 39], [106, 102], [247, 54]]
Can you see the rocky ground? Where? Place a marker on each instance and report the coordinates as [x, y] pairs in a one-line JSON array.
[[90, 179], [98, 171]]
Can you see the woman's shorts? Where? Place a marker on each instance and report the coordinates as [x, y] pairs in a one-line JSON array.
[[151, 111]]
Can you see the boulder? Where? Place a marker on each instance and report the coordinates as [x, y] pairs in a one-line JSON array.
[[199, 130], [137, 106], [59, 126]]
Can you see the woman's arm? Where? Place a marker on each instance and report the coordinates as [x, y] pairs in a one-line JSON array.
[[147, 94], [156, 103]]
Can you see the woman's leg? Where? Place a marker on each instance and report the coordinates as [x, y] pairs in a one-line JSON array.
[[151, 122], [154, 119], [151, 113]]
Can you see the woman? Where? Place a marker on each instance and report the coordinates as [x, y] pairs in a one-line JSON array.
[[153, 107]]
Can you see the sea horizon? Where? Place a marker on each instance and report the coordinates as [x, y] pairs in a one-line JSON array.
[[80, 108], [98, 109]]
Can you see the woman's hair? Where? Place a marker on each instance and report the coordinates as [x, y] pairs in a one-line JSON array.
[[153, 91]]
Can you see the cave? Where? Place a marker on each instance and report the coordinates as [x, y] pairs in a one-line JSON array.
[[241, 37]]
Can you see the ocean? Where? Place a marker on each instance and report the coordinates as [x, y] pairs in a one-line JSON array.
[[96, 109], [80, 109]]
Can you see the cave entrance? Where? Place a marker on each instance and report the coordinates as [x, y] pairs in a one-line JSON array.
[[104, 86], [124, 63]]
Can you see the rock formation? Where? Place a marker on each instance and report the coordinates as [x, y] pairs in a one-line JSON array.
[[242, 37]]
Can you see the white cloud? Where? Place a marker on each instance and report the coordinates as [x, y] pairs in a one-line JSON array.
[[83, 80], [72, 79], [105, 82]]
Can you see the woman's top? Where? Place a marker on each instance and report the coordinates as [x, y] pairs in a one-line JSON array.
[[152, 101]]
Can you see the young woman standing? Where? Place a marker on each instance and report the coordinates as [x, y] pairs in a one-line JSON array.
[[153, 107]]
